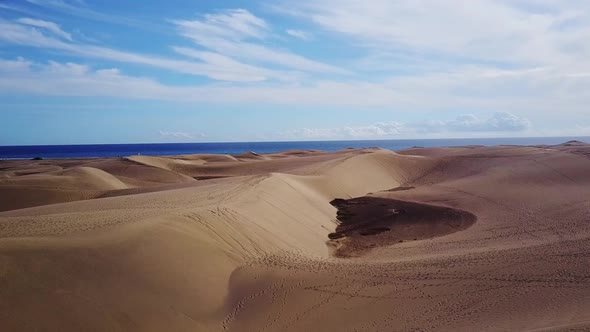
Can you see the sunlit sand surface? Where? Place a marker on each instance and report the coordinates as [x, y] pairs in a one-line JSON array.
[[473, 238]]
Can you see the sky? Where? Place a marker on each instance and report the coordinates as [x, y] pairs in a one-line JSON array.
[[110, 71]]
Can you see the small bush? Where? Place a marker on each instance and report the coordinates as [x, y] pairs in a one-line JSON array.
[[334, 236]]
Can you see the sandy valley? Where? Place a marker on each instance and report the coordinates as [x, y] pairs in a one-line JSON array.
[[467, 238]]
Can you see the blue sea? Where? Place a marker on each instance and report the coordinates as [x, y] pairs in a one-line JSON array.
[[166, 149]]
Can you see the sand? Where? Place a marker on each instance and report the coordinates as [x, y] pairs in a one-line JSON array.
[[472, 238]]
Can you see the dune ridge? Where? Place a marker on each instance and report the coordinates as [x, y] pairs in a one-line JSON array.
[[249, 250]]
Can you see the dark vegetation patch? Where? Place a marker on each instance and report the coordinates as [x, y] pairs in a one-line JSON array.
[[373, 231], [401, 188], [368, 222], [210, 177], [573, 143]]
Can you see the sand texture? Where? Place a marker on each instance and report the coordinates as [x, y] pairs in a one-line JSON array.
[[445, 239]]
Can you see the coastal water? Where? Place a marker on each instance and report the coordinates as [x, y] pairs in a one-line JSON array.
[[164, 149]]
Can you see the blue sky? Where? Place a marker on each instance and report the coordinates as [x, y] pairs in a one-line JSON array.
[[81, 71]]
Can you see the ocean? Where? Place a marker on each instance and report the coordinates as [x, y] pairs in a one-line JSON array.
[[167, 149]]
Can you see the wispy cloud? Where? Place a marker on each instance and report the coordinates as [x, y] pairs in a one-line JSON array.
[[249, 73], [410, 59], [229, 32], [228, 58], [49, 26], [300, 34], [212, 67], [480, 30], [468, 90], [17, 9], [454, 71], [180, 134], [81, 9], [236, 24]]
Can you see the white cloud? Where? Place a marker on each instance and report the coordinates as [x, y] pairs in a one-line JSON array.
[[50, 26], [21, 34], [469, 90], [180, 134], [227, 33], [500, 121], [17, 9], [18, 66], [217, 33], [252, 73], [524, 57], [479, 30], [211, 67], [80, 9], [377, 130], [497, 123], [235, 24], [300, 34]]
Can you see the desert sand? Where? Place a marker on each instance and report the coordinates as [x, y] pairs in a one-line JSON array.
[[470, 238]]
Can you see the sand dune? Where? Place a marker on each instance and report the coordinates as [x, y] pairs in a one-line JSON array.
[[209, 158], [32, 183], [55, 187], [139, 175], [251, 155], [241, 243]]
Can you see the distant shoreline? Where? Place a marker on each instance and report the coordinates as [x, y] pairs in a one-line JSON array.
[[168, 149]]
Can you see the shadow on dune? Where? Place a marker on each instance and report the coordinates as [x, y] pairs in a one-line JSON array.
[[368, 222]]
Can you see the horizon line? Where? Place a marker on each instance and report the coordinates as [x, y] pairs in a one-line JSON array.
[[303, 141]]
